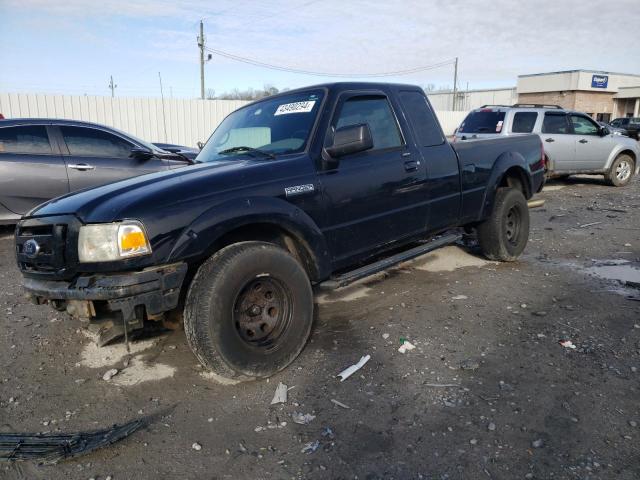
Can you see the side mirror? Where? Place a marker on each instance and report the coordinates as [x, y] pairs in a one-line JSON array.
[[604, 131], [140, 153], [350, 139], [200, 145]]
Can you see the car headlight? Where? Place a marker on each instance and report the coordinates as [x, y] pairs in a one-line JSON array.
[[112, 241]]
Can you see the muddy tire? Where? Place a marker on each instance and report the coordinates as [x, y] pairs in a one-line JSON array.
[[504, 235], [249, 311], [621, 171]]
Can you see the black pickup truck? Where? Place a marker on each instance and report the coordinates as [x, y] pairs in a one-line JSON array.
[[321, 185]]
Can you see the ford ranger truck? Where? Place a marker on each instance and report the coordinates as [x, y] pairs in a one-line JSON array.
[[321, 185]]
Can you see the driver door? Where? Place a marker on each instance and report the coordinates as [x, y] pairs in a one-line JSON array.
[[592, 149], [376, 196], [95, 157]]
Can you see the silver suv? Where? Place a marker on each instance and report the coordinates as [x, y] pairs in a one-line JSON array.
[[573, 141]]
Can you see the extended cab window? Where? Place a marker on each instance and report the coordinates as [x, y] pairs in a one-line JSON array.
[[483, 121], [26, 139], [376, 112], [523, 122], [90, 142], [583, 126], [422, 119], [555, 123]]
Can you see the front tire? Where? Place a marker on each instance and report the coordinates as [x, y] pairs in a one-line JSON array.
[[249, 311], [621, 171], [504, 235]]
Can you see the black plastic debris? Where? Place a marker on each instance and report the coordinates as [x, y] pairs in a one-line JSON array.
[[50, 448]]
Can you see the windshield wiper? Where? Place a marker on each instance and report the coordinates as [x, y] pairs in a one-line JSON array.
[[248, 150]]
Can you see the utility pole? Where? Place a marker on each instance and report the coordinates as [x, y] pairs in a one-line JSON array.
[[455, 84], [112, 87], [201, 45]]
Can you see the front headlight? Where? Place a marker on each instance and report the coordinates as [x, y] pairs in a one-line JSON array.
[[112, 241]]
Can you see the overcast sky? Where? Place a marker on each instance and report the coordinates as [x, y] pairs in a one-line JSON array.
[[72, 46]]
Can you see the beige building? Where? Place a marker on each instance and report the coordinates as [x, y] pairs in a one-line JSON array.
[[603, 95]]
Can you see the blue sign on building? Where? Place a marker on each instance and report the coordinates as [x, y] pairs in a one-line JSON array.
[[599, 81]]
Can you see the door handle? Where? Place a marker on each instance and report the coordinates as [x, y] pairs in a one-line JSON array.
[[549, 140], [406, 154], [583, 141], [83, 167], [411, 165]]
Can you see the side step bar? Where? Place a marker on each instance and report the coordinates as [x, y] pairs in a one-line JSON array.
[[362, 272]]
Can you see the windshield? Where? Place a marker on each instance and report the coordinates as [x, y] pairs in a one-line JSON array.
[[144, 143], [273, 126], [483, 121]]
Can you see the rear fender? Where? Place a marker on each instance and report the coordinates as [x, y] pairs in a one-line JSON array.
[[198, 240], [506, 162]]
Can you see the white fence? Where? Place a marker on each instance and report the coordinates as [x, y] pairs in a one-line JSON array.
[[180, 121]]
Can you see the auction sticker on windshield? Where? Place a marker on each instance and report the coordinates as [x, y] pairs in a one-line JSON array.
[[296, 107]]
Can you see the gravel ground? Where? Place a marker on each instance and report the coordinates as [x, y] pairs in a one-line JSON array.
[[488, 392]]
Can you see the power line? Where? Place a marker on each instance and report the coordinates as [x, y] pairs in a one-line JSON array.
[[288, 69]]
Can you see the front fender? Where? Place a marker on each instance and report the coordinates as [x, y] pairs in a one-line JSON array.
[[505, 162], [196, 240]]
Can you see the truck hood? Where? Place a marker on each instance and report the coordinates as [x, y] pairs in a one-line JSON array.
[[161, 189]]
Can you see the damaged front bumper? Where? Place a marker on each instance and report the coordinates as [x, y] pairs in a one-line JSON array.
[[124, 299]]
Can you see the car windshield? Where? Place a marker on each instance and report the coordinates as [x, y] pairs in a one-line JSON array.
[[483, 121], [144, 143], [265, 129]]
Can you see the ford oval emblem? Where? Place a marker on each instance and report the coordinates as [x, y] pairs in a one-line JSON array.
[[31, 248]]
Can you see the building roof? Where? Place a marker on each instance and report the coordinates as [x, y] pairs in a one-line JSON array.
[[602, 72]]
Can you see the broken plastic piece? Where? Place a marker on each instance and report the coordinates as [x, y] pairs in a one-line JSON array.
[[347, 372], [280, 395], [406, 346], [567, 344], [340, 404], [302, 419], [50, 448], [110, 374], [310, 447]]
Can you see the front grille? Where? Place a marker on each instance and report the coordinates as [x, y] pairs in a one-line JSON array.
[[41, 247]]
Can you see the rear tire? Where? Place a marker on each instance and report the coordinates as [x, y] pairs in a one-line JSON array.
[[504, 235], [249, 311], [621, 171]]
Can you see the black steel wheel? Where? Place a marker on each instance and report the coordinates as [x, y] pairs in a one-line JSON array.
[[504, 235], [249, 311]]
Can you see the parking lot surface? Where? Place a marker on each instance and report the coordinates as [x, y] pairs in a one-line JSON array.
[[488, 392]]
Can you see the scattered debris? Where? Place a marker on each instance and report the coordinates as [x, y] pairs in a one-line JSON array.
[[280, 395], [310, 447], [53, 447], [110, 374], [590, 224], [196, 446], [469, 364], [327, 432], [540, 313], [302, 419], [491, 427], [459, 297], [473, 441], [385, 336], [340, 404], [347, 372], [567, 344], [406, 346], [441, 385], [539, 443]]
